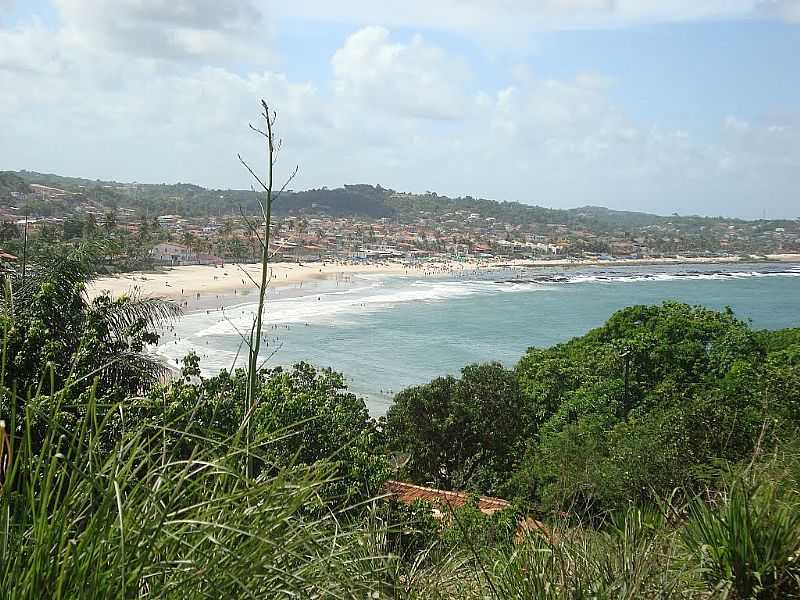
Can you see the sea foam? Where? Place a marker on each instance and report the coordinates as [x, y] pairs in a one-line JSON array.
[[342, 305]]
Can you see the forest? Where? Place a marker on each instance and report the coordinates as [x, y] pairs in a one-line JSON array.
[[657, 456]]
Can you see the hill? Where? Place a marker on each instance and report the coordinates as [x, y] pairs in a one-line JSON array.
[[358, 201], [430, 222], [10, 183]]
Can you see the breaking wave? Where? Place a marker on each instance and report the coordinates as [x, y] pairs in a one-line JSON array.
[[341, 306]]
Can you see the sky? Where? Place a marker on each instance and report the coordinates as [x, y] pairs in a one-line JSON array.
[[687, 106]]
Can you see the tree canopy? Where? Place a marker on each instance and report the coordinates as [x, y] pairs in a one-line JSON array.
[[645, 404]]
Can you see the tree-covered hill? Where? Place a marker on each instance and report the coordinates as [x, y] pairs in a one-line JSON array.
[[357, 201], [11, 182]]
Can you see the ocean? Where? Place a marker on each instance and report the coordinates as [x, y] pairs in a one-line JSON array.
[[387, 333]]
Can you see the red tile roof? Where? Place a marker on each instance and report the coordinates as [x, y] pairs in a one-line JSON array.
[[407, 493]]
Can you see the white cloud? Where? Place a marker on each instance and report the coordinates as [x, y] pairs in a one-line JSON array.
[[30, 49], [593, 81], [788, 10], [735, 124], [391, 109], [761, 144], [411, 79], [481, 16], [538, 109], [183, 30], [82, 110]]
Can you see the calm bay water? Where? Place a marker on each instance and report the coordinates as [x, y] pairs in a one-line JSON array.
[[385, 334]]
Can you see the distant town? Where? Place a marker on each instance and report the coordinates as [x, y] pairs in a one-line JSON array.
[[184, 224]]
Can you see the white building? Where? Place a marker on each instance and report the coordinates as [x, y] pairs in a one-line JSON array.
[[172, 254]]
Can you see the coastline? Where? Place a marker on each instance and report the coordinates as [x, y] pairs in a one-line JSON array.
[[204, 285], [361, 324], [199, 281]]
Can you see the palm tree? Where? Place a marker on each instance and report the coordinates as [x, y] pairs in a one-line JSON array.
[[236, 248], [58, 336], [144, 229], [190, 241], [91, 226], [110, 221]]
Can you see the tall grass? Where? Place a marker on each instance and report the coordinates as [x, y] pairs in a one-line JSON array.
[[633, 557], [100, 507], [748, 542], [131, 520]]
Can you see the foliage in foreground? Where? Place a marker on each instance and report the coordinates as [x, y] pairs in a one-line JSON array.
[[317, 419], [748, 541], [142, 519], [135, 520], [118, 494], [56, 339]]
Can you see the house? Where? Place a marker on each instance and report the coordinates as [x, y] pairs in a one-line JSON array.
[[443, 502], [171, 254]]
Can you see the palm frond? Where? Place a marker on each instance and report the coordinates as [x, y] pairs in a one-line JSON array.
[[134, 371], [65, 269], [134, 310]]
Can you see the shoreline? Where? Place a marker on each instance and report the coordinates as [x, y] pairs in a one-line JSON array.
[[197, 282], [205, 285]]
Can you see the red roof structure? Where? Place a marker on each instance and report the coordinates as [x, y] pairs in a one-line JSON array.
[[407, 493], [443, 500]]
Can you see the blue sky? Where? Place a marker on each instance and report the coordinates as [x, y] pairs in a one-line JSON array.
[[670, 106]]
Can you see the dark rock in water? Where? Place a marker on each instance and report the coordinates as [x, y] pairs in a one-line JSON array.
[[536, 279]]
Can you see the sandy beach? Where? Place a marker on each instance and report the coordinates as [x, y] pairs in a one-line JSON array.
[[205, 284], [202, 283]]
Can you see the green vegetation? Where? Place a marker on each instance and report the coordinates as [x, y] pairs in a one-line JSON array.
[[56, 339], [12, 183], [748, 542], [460, 434], [94, 511], [316, 419], [648, 403], [660, 451], [360, 200]]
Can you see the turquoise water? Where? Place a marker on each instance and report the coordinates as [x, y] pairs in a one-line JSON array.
[[385, 334]]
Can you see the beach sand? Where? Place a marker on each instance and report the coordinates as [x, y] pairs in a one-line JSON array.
[[784, 257], [200, 281], [203, 285]]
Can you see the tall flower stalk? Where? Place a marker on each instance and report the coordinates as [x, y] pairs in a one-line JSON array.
[[254, 341]]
